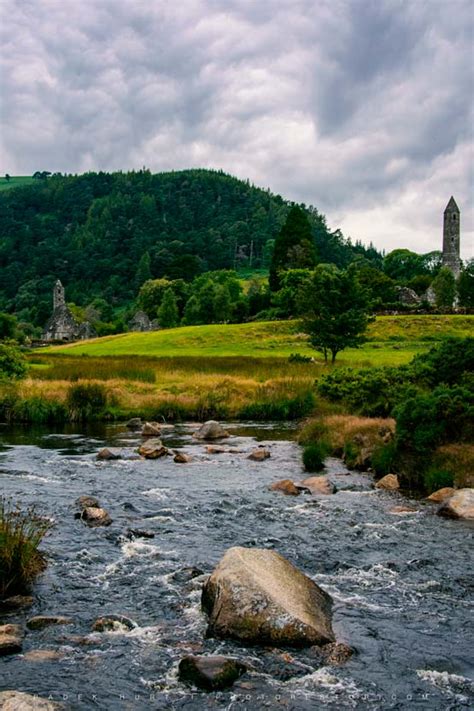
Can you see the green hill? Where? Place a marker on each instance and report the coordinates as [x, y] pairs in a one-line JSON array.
[[93, 231]]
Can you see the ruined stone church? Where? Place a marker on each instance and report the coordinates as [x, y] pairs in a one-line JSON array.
[[62, 326]]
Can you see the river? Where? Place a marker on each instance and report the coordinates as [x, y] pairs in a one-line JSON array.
[[400, 581]]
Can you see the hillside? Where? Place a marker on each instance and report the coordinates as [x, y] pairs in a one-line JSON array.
[[16, 181], [391, 340], [103, 234]]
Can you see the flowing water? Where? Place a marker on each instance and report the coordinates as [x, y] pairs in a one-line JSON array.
[[400, 581]]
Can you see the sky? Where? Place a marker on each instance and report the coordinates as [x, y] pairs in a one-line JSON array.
[[363, 108]]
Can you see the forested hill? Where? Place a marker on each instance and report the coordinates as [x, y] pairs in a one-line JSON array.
[[104, 234]]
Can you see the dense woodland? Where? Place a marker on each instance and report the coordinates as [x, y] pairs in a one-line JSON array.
[[105, 234]]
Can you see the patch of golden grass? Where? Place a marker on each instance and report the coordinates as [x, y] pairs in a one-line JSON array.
[[338, 430]]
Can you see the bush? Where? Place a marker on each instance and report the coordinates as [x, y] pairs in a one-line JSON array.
[[435, 479], [283, 408], [86, 401], [383, 458], [12, 363], [37, 410], [369, 392], [314, 455], [298, 358], [20, 536]]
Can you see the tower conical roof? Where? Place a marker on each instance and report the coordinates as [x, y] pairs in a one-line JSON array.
[[451, 205]]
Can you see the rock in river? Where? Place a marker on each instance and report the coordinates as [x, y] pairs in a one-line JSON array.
[[10, 639], [94, 516], [318, 485], [108, 453], [39, 622], [152, 449], [211, 430], [135, 423], [114, 623], [182, 458], [441, 494], [210, 673], [151, 429], [258, 597], [259, 454], [389, 481], [19, 701], [286, 486], [459, 505]]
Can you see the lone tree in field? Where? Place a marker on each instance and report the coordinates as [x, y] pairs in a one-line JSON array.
[[294, 246], [335, 310]]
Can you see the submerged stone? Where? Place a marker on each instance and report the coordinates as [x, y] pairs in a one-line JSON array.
[[286, 486], [39, 622], [11, 637], [210, 672], [259, 454], [114, 623], [258, 597], [94, 516]]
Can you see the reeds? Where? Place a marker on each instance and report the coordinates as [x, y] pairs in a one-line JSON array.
[[21, 533]]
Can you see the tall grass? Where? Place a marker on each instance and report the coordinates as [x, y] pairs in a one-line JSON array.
[[21, 533]]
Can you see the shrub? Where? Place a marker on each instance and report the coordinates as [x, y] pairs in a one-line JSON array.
[[86, 401], [372, 393], [12, 363], [283, 408], [383, 458], [435, 479], [37, 410], [20, 536], [314, 455]]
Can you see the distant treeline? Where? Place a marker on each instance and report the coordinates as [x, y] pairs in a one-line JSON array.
[[105, 234]]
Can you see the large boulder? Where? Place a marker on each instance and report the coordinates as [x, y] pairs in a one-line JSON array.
[[258, 597], [317, 485], [211, 430], [286, 486], [441, 495], [459, 505], [20, 701], [11, 637], [152, 449], [210, 673]]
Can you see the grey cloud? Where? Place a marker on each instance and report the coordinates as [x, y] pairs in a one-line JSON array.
[[346, 104]]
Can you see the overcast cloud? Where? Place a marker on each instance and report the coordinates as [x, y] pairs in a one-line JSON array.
[[363, 108]]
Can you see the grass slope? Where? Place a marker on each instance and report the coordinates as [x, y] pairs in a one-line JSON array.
[[391, 340], [15, 181]]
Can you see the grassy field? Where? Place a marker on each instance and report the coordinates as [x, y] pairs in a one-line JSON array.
[[392, 340], [15, 181], [235, 371]]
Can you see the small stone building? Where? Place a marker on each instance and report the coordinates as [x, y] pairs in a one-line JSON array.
[[62, 326]]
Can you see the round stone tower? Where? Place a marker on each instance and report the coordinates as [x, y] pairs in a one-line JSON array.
[[451, 237]]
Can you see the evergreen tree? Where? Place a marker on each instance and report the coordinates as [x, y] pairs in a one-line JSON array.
[[143, 272], [294, 246], [222, 303], [168, 311], [192, 311]]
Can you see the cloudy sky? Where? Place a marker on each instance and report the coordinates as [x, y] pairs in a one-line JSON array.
[[363, 108]]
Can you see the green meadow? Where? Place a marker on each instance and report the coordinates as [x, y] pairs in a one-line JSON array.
[[237, 371], [391, 340], [15, 181]]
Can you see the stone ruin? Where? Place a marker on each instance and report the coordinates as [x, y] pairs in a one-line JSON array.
[[140, 322], [62, 326]]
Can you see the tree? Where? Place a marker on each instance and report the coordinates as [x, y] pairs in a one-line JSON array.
[[7, 326], [12, 363], [403, 265], [444, 287], [294, 246], [222, 303], [466, 285], [168, 311], [7, 177], [143, 272], [335, 310]]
